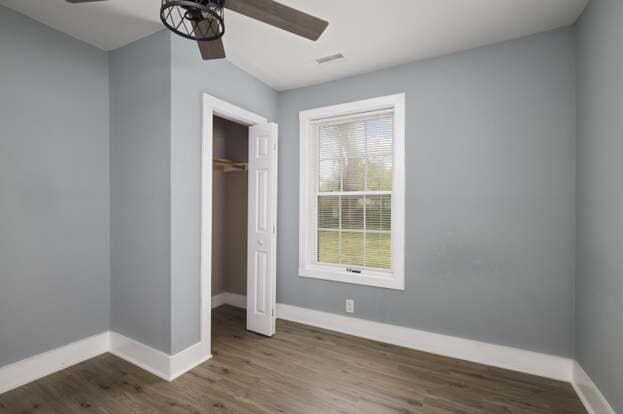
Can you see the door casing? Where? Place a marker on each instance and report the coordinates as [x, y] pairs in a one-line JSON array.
[[213, 106]]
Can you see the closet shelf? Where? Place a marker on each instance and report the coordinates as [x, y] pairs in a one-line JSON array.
[[230, 166]]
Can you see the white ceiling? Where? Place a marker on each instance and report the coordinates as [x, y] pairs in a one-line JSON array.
[[107, 25], [371, 34]]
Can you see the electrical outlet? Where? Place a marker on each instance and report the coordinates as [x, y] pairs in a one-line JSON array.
[[350, 306]]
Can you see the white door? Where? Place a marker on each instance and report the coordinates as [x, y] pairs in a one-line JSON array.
[[262, 240]]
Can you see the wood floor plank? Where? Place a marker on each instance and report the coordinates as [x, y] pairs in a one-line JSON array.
[[302, 370]]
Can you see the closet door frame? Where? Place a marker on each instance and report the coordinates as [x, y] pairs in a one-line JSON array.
[[213, 106]]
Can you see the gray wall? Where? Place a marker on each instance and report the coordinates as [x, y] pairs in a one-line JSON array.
[[190, 77], [54, 192], [140, 109], [490, 191], [599, 284]]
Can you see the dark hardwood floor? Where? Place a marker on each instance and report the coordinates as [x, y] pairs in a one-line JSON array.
[[300, 370]]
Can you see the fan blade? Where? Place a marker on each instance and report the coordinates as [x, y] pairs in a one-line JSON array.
[[212, 50], [278, 15], [82, 1]]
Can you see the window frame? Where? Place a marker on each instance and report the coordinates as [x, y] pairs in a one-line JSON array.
[[308, 267]]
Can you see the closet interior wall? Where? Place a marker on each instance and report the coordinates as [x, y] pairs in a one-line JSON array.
[[230, 206]]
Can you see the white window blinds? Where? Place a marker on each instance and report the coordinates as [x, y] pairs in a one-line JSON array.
[[353, 183]]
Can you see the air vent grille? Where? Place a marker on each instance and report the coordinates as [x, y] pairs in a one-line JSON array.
[[331, 58]]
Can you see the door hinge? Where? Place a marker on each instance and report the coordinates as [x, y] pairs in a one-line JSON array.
[[273, 312]]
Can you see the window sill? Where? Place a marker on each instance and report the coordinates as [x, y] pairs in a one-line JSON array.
[[372, 279]]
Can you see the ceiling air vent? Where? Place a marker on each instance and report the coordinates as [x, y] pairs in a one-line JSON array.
[[331, 58]]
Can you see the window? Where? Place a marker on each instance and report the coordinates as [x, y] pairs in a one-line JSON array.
[[352, 193]]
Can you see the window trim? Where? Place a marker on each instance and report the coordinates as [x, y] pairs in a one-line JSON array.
[[307, 266]]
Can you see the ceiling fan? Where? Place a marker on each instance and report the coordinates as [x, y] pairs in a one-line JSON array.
[[204, 22]]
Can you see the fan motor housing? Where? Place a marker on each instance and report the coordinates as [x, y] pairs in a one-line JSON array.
[[201, 20]]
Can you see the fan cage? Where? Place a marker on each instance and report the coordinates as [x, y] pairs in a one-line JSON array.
[[201, 20]]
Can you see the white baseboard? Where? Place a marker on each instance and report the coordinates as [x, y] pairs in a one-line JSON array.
[[219, 300], [591, 397], [41, 365], [227, 298], [141, 355], [167, 367], [236, 300], [188, 359], [529, 362]]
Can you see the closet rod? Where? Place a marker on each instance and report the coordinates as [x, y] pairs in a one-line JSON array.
[[230, 166]]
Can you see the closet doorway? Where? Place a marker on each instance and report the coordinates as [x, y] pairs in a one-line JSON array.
[[239, 216]]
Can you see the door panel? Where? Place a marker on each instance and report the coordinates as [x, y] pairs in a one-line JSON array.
[[262, 248], [260, 295], [262, 194]]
